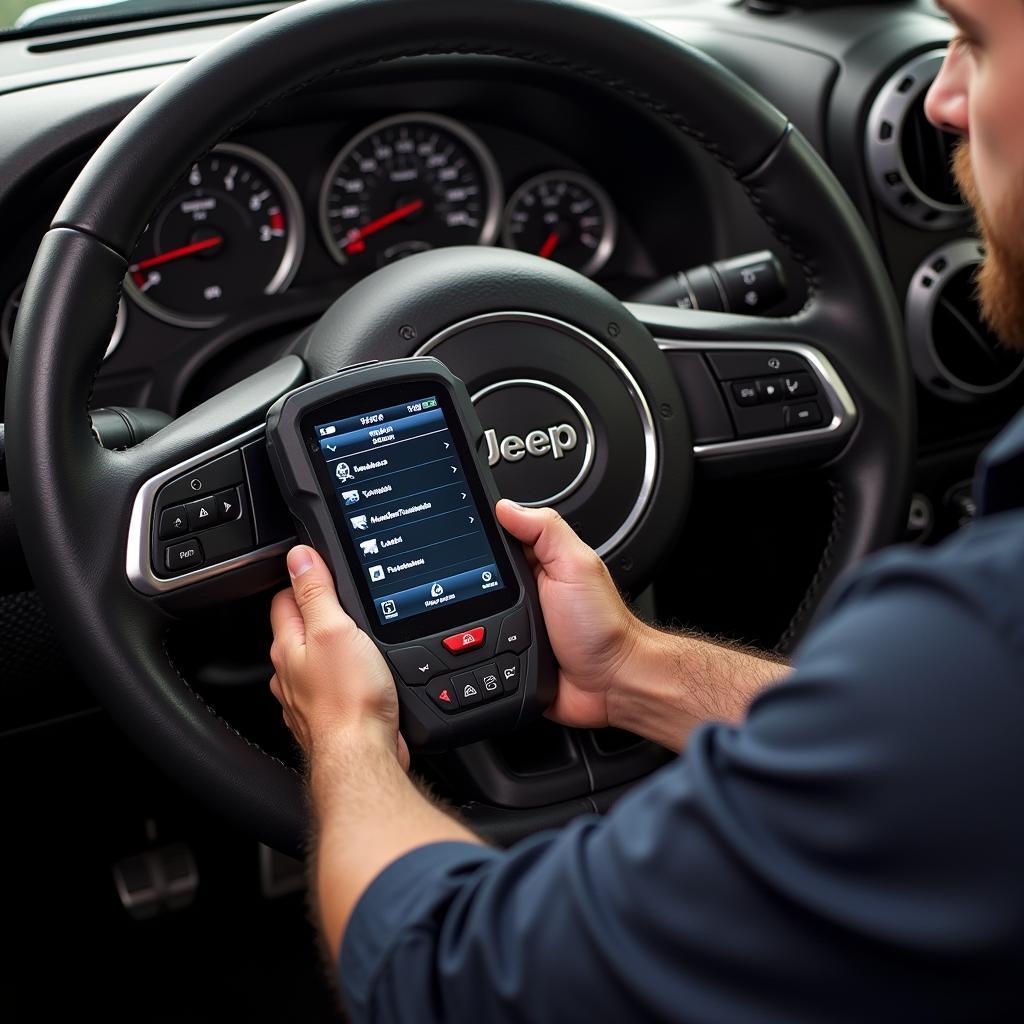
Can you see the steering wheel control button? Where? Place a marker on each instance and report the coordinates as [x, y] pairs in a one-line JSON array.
[[798, 385], [214, 476], [508, 672], [442, 692], [488, 682], [761, 419], [803, 415], [202, 514], [415, 664], [188, 554], [769, 390], [733, 365], [229, 507], [468, 688], [515, 632], [173, 522], [467, 640], [745, 392]]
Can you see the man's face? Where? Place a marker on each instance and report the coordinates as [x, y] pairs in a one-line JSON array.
[[979, 95]]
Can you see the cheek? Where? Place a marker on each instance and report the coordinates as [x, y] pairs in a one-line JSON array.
[[997, 129]]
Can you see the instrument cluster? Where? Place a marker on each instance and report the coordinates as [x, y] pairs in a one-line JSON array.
[[235, 228]]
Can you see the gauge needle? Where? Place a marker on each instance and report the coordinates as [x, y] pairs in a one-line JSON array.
[[354, 243], [176, 254], [549, 245]]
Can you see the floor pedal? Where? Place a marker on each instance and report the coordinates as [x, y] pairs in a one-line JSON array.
[[157, 881]]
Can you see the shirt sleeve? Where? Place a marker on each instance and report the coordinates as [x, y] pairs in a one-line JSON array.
[[852, 851]]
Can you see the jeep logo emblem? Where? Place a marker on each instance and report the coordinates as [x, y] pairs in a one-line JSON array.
[[557, 440], [560, 443]]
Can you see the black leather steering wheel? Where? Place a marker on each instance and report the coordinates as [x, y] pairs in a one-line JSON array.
[[80, 508]]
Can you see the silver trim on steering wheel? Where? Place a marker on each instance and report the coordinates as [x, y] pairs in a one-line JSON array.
[[841, 404], [138, 565]]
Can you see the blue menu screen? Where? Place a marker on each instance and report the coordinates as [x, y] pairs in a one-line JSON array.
[[408, 509]]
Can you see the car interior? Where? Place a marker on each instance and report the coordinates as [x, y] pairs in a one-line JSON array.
[[705, 273]]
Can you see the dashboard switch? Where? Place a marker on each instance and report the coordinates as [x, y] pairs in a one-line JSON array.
[[745, 392], [769, 390], [798, 385], [728, 365], [467, 640], [202, 513], [228, 505], [173, 522], [205, 480], [186, 554], [802, 415]]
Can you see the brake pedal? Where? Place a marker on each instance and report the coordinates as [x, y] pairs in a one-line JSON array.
[[157, 881]]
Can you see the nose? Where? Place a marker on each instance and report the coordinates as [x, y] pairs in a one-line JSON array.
[[946, 103]]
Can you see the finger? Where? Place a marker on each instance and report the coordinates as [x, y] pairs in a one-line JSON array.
[[554, 542], [314, 591], [286, 620]]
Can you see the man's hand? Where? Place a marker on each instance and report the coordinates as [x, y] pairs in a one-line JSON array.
[[339, 700], [592, 632], [615, 669], [333, 684]]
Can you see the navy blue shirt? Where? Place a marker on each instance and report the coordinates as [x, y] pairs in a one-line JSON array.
[[853, 851]]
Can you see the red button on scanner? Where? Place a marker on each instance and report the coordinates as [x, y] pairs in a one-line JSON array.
[[465, 641]]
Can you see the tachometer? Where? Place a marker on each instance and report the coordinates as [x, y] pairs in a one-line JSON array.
[[406, 184], [563, 216], [230, 231]]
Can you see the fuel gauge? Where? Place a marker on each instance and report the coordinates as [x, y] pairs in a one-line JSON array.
[[563, 216]]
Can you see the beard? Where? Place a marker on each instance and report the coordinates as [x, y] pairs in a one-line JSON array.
[[1000, 279]]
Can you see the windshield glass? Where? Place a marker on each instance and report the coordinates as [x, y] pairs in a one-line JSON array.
[[42, 15], [35, 15]]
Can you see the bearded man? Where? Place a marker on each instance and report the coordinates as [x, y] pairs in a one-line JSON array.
[[842, 841]]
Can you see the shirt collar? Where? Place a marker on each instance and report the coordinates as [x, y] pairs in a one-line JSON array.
[[999, 483]]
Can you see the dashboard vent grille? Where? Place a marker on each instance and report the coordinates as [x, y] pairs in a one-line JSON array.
[[954, 354], [964, 346], [908, 160], [927, 157]]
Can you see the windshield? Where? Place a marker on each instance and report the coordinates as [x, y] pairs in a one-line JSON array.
[[41, 15], [48, 14]]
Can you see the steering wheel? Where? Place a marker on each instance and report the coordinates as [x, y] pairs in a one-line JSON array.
[[503, 321]]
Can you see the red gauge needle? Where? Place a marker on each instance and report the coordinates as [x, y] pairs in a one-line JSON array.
[[549, 245], [176, 254], [354, 242]]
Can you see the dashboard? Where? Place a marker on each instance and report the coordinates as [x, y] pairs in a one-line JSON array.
[[261, 234], [311, 194]]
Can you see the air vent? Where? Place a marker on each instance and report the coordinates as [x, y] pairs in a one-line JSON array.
[[909, 160], [954, 354]]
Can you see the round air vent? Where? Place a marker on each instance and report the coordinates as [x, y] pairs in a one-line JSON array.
[[908, 159], [954, 354]]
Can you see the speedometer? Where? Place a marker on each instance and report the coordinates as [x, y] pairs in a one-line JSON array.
[[409, 183]]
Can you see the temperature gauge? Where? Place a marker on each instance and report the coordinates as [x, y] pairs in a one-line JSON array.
[[562, 216]]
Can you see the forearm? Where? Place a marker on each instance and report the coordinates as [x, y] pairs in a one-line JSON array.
[[673, 682], [368, 814]]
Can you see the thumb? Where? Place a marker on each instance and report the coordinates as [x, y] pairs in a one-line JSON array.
[[555, 544], [313, 587]]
